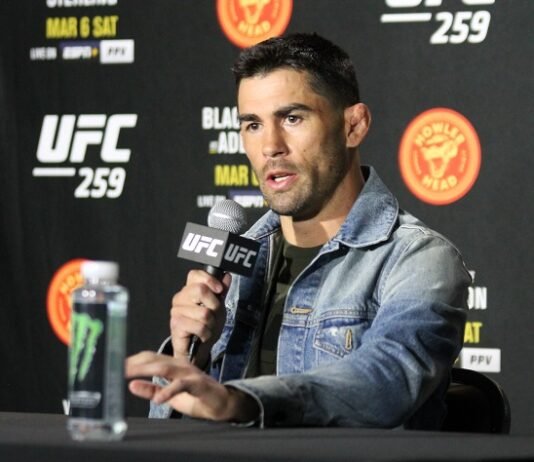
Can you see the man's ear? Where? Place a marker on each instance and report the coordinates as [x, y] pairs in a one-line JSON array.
[[357, 122]]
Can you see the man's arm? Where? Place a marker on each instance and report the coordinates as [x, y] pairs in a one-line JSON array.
[[197, 310], [188, 390], [404, 357]]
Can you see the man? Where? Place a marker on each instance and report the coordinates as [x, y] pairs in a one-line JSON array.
[[355, 311]]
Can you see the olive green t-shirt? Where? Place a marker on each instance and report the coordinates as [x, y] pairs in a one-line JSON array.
[[290, 261]]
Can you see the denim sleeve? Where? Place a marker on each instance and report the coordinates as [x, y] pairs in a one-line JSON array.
[[404, 357]]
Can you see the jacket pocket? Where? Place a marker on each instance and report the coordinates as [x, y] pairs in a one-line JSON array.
[[338, 336]]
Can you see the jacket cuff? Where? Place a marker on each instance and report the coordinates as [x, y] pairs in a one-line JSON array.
[[280, 405]]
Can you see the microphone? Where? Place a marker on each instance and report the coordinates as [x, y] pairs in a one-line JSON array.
[[219, 247]]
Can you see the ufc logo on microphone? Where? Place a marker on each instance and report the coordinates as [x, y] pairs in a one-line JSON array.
[[218, 248], [236, 254], [197, 243]]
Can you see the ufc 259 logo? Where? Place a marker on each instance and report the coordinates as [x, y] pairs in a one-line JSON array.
[[454, 27], [63, 145]]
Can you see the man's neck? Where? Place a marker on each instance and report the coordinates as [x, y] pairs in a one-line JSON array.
[[310, 233], [324, 225]]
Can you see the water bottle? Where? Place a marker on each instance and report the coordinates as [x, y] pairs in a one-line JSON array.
[[96, 355]]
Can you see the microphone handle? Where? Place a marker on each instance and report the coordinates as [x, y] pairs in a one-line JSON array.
[[217, 273], [195, 341]]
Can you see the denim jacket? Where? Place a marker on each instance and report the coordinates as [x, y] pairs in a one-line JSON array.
[[370, 328]]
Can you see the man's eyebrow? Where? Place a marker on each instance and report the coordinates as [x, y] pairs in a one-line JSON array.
[[280, 112], [248, 118], [286, 110]]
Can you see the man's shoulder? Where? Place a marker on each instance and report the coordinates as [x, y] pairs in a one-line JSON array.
[[411, 230]]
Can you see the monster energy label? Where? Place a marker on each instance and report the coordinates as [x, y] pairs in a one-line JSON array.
[[86, 360]]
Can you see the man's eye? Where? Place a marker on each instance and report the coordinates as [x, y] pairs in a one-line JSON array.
[[251, 127], [293, 119]]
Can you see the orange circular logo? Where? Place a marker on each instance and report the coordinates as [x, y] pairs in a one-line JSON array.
[[439, 156], [58, 302], [247, 22]]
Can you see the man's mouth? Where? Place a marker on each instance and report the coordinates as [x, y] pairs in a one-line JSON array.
[[280, 180]]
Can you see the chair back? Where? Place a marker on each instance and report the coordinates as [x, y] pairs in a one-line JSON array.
[[476, 403]]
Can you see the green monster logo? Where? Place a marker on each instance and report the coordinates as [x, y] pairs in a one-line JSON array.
[[86, 332]]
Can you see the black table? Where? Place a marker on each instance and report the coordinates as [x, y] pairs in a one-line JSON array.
[[43, 437]]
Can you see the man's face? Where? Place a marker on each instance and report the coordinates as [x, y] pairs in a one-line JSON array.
[[294, 139]]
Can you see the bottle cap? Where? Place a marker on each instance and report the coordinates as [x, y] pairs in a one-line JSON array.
[[100, 270]]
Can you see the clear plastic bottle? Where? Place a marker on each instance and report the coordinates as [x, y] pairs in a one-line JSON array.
[[96, 355]]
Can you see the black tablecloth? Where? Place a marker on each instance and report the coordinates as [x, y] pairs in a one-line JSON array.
[[41, 437]]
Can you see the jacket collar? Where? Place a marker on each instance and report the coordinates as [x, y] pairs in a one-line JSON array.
[[371, 219]]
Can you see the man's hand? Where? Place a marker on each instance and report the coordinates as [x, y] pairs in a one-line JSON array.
[[198, 309], [190, 391]]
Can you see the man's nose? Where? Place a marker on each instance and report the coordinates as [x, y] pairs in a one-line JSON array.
[[273, 142]]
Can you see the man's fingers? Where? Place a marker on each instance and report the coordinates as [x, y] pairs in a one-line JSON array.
[[226, 281], [187, 328], [197, 313], [182, 334], [196, 294], [189, 390], [141, 358], [202, 278], [148, 363], [188, 319], [195, 394], [183, 379], [143, 388], [167, 392], [184, 326]]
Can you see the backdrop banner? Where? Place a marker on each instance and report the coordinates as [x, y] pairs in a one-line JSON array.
[[118, 124]]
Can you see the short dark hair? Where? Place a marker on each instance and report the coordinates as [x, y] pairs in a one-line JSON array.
[[331, 71]]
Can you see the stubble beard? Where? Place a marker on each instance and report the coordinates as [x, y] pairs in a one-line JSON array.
[[308, 195], [289, 203]]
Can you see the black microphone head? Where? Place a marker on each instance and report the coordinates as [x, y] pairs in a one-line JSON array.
[[228, 215]]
